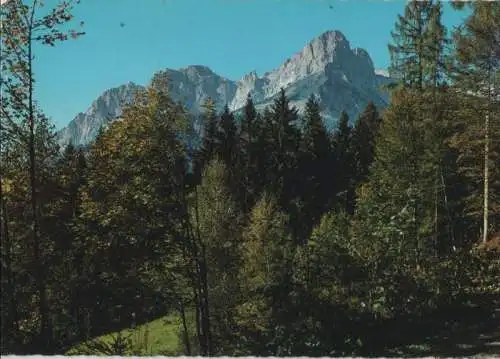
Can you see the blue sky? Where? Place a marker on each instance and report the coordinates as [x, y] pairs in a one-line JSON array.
[[232, 37]]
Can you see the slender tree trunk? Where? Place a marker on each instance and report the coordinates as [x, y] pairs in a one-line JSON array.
[[77, 296], [196, 286], [185, 328], [486, 178], [200, 329], [200, 310], [203, 276], [45, 335], [451, 226], [197, 318], [191, 254], [436, 217], [417, 238], [491, 83], [204, 303], [196, 296], [77, 254], [206, 319]]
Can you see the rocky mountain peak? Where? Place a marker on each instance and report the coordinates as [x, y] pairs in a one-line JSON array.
[[325, 47], [113, 99], [328, 58], [251, 76], [198, 70], [330, 51], [330, 40], [341, 77], [333, 35]]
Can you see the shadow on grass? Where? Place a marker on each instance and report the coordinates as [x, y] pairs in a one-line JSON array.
[[463, 331]]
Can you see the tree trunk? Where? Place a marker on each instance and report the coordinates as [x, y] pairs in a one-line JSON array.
[[203, 281], [187, 343], [199, 312], [206, 306], [77, 302], [451, 226], [436, 250], [195, 281], [486, 178], [45, 335], [190, 253]]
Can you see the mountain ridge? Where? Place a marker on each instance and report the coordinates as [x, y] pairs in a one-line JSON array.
[[344, 79]]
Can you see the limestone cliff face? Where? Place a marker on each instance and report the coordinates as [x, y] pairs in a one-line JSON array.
[[85, 126], [342, 78], [195, 84]]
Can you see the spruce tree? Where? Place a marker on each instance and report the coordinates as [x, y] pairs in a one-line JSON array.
[[249, 153], [226, 137], [284, 145], [314, 164], [343, 186], [436, 41], [364, 134], [417, 48], [207, 150], [248, 128]]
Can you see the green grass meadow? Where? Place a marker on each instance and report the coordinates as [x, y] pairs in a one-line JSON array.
[[158, 337]]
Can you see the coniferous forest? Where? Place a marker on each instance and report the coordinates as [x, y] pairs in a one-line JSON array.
[[274, 236]]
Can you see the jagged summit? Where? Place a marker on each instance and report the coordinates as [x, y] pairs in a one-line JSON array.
[[252, 75], [198, 69], [341, 77], [317, 53], [335, 35], [324, 64], [330, 40]]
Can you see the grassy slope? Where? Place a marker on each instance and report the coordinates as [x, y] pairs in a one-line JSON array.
[[158, 337]]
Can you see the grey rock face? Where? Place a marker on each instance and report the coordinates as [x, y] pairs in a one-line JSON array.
[[108, 106], [342, 78], [195, 84]]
